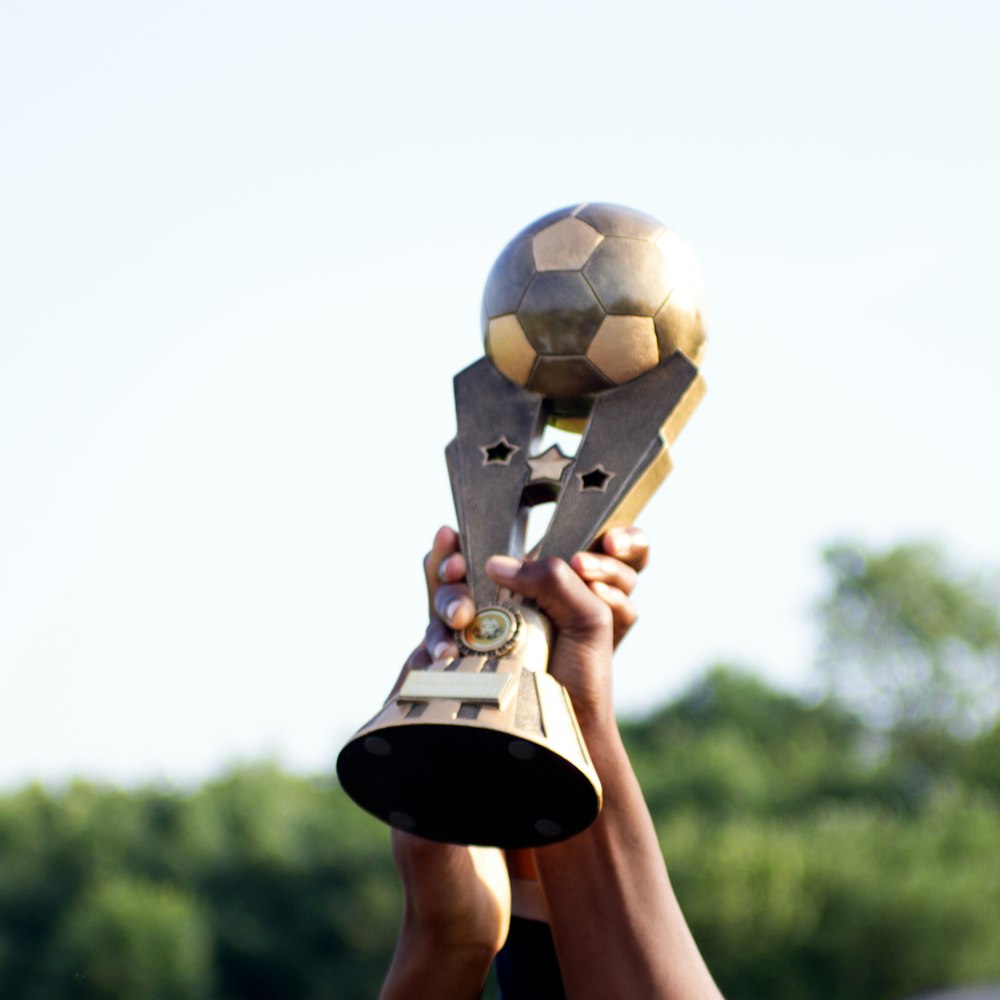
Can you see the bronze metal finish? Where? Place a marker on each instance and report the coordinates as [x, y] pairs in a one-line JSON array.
[[593, 320]]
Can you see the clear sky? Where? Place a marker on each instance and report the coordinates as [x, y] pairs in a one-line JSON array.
[[242, 247]]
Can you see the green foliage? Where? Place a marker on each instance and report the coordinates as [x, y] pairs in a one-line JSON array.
[[843, 903], [732, 745], [909, 641], [125, 938], [816, 855], [808, 864], [259, 885]]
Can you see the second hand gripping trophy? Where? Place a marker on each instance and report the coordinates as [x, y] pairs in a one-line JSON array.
[[593, 322]]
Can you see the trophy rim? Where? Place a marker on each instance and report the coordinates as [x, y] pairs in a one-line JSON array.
[[463, 783]]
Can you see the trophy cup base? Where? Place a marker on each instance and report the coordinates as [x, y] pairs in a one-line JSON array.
[[468, 785]]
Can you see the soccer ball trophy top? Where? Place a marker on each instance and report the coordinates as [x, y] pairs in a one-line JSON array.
[[590, 297], [592, 321]]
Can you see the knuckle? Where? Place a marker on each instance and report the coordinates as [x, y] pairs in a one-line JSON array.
[[595, 615], [603, 614], [555, 569]]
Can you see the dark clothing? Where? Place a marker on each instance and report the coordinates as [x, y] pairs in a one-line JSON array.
[[526, 966]]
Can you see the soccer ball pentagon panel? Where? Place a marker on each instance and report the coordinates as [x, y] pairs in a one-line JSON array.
[[590, 297]]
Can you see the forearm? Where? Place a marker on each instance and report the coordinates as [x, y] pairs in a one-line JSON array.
[[427, 969], [618, 928]]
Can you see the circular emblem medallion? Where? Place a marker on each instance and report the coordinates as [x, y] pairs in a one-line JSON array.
[[494, 631]]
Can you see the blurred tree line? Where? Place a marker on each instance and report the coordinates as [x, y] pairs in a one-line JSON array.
[[845, 848]]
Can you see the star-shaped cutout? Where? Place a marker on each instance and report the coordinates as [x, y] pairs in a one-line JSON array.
[[499, 453], [550, 464], [596, 479]]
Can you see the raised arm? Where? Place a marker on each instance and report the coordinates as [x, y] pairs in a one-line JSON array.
[[617, 926], [458, 899]]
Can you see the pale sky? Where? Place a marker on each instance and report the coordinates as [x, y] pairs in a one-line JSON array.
[[242, 248]]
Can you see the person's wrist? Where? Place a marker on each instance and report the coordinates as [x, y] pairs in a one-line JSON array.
[[428, 964], [457, 937], [427, 929]]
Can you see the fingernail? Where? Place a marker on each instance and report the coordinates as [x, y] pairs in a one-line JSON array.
[[588, 564], [453, 609], [443, 571], [441, 650], [503, 567]]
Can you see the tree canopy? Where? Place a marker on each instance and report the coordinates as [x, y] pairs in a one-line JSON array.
[[816, 853], [909, 641]]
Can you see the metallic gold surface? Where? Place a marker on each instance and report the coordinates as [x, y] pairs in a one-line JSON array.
[[566, 245], [679, 415], [564, 274], [624, 347], [592, 315], [494, 630], [680, 322], [629, 276], [624, 436], [479, 689], [645, 485], [514, 773], [551, 465], [510, 349]]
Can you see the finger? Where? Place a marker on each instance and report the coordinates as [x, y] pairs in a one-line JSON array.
[[630, 545], [445, 544], [439, 641], [557, 589], [596, 568], [623, 612], [453, 605], [452, 569], [419, 659]]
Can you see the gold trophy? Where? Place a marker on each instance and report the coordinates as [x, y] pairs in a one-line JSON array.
[[593, 323]]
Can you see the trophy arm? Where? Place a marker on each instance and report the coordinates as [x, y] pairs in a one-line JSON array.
[[624, 455], [498, 423]]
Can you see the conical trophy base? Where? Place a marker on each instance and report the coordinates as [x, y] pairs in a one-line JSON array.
[[468, 784], [482, 749]]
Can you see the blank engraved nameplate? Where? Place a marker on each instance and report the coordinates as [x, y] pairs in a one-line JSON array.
[[476, 689]]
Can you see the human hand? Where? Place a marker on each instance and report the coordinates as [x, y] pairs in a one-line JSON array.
[[580, 658], [458, 899], [611, 573]]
